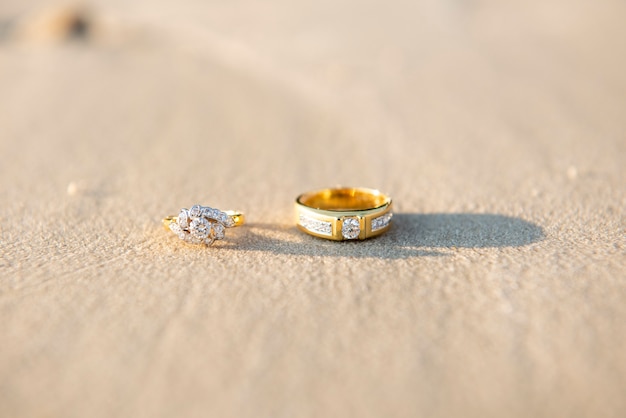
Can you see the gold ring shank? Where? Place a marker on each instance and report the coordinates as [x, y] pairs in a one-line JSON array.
[[237, 217], [344, 213]]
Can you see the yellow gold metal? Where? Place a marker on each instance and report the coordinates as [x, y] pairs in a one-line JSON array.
[[168, 220], [237, 217], [322, 213]]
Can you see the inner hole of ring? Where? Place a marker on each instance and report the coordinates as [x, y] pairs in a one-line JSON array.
[[343, 199]]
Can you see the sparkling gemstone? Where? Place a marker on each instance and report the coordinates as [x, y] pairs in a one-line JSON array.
[[228, 221], [175, 228], [315, 225], [218, 231], [183, 219], [195, 211], [208, 212], [381, 222], [217, 215], [200, 228], [350, 228], [193, 240]]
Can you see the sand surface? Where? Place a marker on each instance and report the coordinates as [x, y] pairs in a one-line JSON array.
[[499, 129]]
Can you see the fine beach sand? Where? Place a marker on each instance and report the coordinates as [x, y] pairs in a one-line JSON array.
[[499, 129]]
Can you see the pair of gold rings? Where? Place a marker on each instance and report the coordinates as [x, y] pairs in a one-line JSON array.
[[338, 214]]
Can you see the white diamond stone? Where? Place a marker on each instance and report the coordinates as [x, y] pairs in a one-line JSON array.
[[193, 240], [218, 231], [200, 228], [183, 219], [381, 222], [219, 216], [195, 211], [229, 221], [208, 212], [315, 225], [350, 228], [175, 228]]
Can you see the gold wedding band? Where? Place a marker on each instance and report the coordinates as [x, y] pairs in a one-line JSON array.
[[344, 213]]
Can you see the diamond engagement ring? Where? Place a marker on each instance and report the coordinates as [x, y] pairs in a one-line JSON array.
[[202, 224], [344, 213]]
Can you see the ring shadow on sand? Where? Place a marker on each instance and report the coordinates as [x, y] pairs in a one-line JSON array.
[[411, 235]]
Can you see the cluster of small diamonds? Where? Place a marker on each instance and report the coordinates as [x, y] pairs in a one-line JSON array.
[[201, 224], [381, 222], [315, 225]]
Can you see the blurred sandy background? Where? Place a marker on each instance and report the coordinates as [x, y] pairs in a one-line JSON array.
[[499, 128]]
